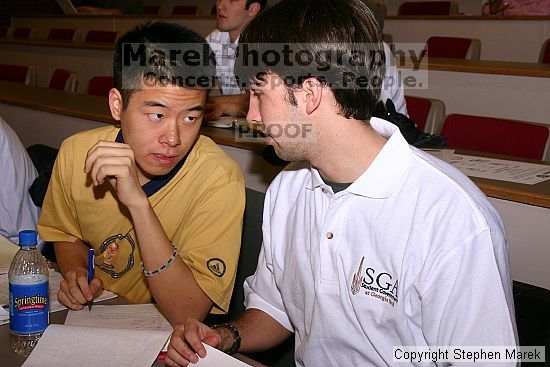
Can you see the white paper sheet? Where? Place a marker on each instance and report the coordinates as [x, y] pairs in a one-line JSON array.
[[216, 358], [70, 346], [144, 316], [503, 170]]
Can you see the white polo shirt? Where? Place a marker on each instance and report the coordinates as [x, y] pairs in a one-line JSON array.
[[426, 249]]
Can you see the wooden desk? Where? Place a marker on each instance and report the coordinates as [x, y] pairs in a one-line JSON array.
[[528, 69], [95, 108]]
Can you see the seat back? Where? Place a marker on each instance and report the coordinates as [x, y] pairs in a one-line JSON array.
[[4, 31], [17, 74], [100, 86], [544, 56], [151, 9], [62, 34], [532, 317], [428, 8], [185, 10], [428, 113], [453, 47], [23, 32], [101, 36], [499, 136], [251, 243], [63, 80]]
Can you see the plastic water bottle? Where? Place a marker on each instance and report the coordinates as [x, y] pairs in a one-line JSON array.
[[29, 301]]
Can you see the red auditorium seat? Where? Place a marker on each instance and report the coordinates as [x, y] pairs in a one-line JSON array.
[[101, 36], [62, 34], [545, 52], [453, 47], [495, 135], [22, 32], [17, 73], [151, 9], [100, 86], [4, 29], [428, 8], [63, 80], [428, 113], [185, 10]]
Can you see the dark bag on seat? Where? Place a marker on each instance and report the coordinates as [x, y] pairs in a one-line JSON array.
[[408, 128]]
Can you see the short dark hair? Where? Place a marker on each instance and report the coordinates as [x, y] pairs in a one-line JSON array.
[[164, 37], [321, 27], [263, 3]]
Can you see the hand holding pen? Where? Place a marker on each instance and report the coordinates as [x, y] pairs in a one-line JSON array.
[[91, 270]]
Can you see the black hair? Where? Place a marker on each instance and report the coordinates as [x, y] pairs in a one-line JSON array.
[[263, 3], [341, 37], [141, 58]]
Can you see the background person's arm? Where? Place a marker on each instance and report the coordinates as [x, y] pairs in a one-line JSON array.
[[231, 105]]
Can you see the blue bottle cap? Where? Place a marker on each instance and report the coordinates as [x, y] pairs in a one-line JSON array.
[[27, 238]]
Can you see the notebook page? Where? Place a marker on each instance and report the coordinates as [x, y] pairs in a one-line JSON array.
[[70, 346], [216, 358], [141, 316]]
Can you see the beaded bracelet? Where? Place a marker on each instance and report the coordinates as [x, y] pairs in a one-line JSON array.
[[150, 273]]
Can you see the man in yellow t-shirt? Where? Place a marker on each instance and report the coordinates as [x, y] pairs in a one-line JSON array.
[[160, 204]]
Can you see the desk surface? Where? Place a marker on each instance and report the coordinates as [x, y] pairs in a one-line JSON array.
[[95, 109], [11, 359]]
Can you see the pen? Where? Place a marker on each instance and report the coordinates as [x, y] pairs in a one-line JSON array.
[[91, 269]]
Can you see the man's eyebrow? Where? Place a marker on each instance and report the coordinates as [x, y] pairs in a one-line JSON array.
[[153, 103], [198, 107]]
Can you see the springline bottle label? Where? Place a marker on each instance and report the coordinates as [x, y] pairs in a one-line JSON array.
[[29, 307]]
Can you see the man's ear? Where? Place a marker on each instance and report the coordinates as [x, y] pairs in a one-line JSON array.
[[115, 103], [254, 9], [312, 91]]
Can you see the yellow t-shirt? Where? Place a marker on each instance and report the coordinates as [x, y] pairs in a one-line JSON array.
[[200, 208]]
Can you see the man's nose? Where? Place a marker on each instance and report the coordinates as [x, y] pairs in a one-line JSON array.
[[253, 114], [221, 4], [171, 136]]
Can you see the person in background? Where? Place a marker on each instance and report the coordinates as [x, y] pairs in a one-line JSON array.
[[368, 243], [17, 210], [160, 204], [232, 16], [392, 87]]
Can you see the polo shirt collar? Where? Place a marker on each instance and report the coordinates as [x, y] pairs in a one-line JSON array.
[[386, 171]]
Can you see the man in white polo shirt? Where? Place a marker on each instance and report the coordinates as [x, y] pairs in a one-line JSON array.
[[369, 244]]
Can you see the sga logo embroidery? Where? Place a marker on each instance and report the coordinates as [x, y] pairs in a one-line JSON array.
[[216, 266], [375, 283]]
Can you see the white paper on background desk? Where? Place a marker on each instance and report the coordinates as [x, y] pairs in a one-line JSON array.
[[7, 252], [70, 346], [443, 154], [143, 316], [503, 170], [216, 358]]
